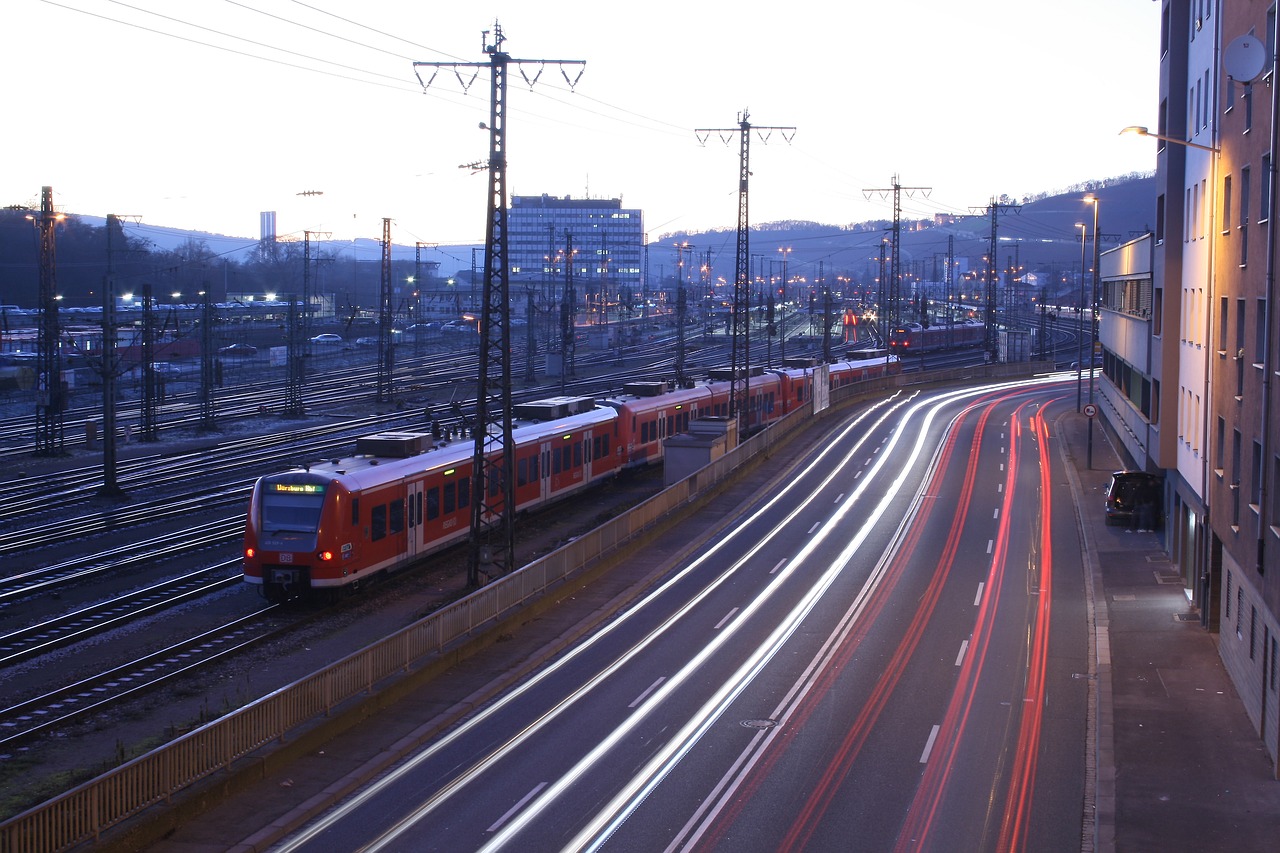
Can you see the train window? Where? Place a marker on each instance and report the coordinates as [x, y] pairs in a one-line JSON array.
[[397, 516], [450, 500], [555, 462], [355, 512], [533, 467], [606, 445], [378, 522], [522, 472], [418, 510], [464, 493], [291, 510], [644, 433], [597, 445], [577, 454]]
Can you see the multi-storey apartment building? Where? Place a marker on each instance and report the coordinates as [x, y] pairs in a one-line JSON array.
[[1210, 340], [1243, 477]]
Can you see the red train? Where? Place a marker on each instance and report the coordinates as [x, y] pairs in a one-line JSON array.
[[330, 525], [913, 337]]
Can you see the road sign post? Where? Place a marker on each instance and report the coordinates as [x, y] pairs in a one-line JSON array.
[[1090, 411]]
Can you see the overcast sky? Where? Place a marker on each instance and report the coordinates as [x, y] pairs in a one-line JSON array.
[[201, 113]]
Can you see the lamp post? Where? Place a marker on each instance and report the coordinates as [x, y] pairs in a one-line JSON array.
[[1093, 303], [1142, 131], [1084, 241]]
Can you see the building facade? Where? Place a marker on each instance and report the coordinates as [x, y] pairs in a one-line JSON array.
[[607, 245], [1243, 477], [1212, 336]]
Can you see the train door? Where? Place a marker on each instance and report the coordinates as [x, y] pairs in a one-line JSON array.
[[587, 456], [413, 518], [544, 470]]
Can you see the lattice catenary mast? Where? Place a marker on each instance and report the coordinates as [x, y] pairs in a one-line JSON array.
[[740, 338], [493, 463], [993, 209]]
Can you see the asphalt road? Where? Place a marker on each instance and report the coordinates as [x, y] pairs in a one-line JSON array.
[[872, 657]]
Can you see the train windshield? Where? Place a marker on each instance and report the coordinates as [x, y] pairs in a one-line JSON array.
[[291, 506]]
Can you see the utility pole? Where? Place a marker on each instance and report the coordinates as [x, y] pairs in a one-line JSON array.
[[568, 310], [895, 267], [49, 399], [993, 210], [386, 350], [682, 304], [740, 338], [826, 313], [110, 368], [782, 340], [951, 266], [882, 313], [492, 539], [150, 423], [208, 418], [530, 334]]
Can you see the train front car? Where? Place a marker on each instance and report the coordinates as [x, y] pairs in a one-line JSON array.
[[285, 547]]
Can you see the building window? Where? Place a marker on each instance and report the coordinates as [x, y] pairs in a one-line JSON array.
[[1236, 450], [1220, 448], [1255, 487], [1226, 205], [1274, 521], [1273, 664], [1223, 314], [1227, 598], [1208, 101], [1244, 215], [1260, 332], [1157, 311], [1264, 190]]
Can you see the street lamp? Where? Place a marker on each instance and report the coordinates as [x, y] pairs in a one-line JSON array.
[[1138, 130], [1093, 303], [1084, 241]]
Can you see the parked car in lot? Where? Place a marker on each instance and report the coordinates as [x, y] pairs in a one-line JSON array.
[[238, 350], [422, 329], [1131, 495], [327, 338], [366, 342]]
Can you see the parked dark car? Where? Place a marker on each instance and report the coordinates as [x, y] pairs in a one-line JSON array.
[[1131, 494], [238, 350]]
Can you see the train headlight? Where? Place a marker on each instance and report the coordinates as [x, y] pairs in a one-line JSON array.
[[249, 552], [325, 556]]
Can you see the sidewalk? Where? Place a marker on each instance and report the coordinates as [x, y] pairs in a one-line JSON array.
[[1179, 765]]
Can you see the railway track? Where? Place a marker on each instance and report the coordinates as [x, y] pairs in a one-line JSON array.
[[64, 706], [95, 619]]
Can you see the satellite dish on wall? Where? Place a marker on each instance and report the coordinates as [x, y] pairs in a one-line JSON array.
[[1244, 58]]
